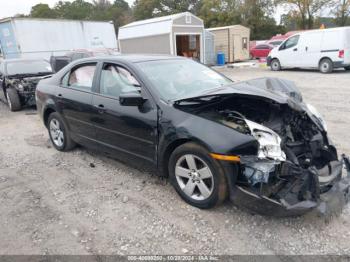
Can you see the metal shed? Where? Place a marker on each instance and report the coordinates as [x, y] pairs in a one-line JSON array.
[[233, 41], [179, 34], [41, 38]]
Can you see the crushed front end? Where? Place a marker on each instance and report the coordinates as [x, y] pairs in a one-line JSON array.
[[25, 87], [296, 168]]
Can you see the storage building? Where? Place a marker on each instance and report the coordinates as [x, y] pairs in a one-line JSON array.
[[41, 38], [179, 34], [233, 41]]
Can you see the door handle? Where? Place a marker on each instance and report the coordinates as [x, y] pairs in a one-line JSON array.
[[295, 49], [306, 48], [100, 108], [59, 95]]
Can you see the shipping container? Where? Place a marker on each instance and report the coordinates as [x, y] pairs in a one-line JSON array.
[[42, 38]]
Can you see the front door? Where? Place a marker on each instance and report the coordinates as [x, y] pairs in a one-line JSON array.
[[130, 130], [289, 53], [74, 98]]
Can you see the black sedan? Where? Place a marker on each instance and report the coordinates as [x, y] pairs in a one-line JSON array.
[[255, 142], [18, 80]]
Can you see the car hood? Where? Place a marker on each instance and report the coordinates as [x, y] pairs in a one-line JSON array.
[[279, 90]]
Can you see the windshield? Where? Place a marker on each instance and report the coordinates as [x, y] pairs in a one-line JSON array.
[[177, 79], [28, 67]]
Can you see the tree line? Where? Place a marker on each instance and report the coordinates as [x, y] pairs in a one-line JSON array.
[[258, 15]]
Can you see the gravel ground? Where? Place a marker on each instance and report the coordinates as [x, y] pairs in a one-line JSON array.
[[84, 203]]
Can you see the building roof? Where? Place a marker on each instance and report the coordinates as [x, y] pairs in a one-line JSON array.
[[226, 27], [156, 19], [153, 26], [7, 19]]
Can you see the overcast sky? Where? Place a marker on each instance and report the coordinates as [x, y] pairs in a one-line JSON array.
[[10, 8]]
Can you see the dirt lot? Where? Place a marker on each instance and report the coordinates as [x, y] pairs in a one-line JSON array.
[[81, 202]]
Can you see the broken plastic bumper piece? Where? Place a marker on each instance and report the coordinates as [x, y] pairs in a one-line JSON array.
[[313, 190]]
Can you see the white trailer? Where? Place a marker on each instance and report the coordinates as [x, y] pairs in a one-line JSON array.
[[42, 38]]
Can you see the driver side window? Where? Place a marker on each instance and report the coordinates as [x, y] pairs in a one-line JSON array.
[[291, 42], [116, 80]]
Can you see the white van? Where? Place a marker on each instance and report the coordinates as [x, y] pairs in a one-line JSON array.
[[324, 49]]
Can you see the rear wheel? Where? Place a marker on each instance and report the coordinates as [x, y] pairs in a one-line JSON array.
[[197, 178], [326, 66], [275, 65], [59, 133], [13, 100]]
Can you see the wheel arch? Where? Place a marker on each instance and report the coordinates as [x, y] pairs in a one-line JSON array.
[[165, 154], [323, 58], [47, 112]]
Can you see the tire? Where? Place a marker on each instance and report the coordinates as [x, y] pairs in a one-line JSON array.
[[326, 66], [275, 65], [347, 68], [13, 100], [188, 179], [59, 133]]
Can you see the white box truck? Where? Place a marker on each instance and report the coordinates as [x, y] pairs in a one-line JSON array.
[[323, 49], [42, 38]]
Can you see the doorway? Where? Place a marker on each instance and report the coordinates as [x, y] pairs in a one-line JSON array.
[[188, 46]]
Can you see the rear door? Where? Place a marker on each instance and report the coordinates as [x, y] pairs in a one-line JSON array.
[[130, 130], [332, 43], [74, 98]]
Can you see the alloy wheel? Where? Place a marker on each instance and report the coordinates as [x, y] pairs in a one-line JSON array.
[[194, 177], [56, 132]]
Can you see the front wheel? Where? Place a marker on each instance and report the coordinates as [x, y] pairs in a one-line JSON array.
[[197, 178], [59, 133], [13, 100], [326, 66], [275, 65], [347, 68]]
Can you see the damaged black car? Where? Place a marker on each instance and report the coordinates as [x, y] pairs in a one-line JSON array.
[[254, 142], [18, 80]]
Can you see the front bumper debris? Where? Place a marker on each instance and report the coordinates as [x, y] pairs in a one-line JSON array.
[[327, 203]]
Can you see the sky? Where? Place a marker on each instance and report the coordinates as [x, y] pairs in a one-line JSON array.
[[10, 8]]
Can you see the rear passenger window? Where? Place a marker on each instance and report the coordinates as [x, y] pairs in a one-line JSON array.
[[116, 80], [81, 77]]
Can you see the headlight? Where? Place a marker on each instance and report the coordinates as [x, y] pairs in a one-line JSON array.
[[318, 115], [20, 87], [269, 141]]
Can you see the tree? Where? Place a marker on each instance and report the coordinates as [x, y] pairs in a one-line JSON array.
[[42, 11], [144, 9], [78, 10], [307, 10], [220, 12], [341, 12]]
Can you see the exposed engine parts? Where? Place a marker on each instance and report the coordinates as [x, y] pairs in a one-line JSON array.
[[295, 162]]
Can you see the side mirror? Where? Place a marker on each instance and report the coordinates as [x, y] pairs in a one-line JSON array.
[[131, 99]]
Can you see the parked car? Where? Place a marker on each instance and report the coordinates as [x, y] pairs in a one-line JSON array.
[[275, 43], [260, 51], [18, 80], [324, 49], [58, 62], [256, 142]]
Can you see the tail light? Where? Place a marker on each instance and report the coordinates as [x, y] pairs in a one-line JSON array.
[[341, 54]]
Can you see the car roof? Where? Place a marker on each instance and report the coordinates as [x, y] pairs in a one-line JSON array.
[[131, 58]]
